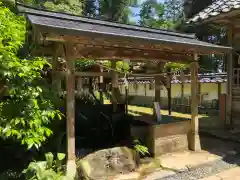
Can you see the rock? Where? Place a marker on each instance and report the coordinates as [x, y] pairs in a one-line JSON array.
[[107, 163], [129, 176]]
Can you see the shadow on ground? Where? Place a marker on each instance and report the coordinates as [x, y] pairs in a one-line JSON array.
[[227, 148]]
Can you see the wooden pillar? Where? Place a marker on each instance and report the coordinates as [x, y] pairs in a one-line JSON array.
[[199, 92], [169, 89], [70, 87], [56, 79], [145, 89], [114, 85], [219, 84], [194, 141], [79, 84], [101, 87], [182, 90], [156, 107], [229, 79], [157, 88], [126, 94]]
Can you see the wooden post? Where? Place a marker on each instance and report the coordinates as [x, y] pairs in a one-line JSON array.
[[156, 107], [79, 84], [114, 85], [56, 80], [70, 87], [194, 141], [157, 88], [219, 84], [145, 89], [182, 90], [228, 121], [169, 89], [199, 93], [126, 95], [101, 87]]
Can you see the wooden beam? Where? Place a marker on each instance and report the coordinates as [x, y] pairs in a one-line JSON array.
[[146, 75], [87, 74], [113, 41], [70, 87], [113, 53], [228, 121], [194, 141]]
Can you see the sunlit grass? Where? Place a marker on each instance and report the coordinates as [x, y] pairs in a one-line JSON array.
[[138, 110]]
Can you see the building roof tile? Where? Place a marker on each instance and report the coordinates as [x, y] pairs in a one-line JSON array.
[[203, 78], [216, 8]]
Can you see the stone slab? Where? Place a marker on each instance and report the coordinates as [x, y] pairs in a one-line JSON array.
[[186, 159], [130, 176], [231, 174], [159, 174]]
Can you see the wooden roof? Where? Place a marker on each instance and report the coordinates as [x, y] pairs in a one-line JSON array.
[[108, 40], [218, 9]]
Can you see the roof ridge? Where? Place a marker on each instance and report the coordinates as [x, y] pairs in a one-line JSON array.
[[213, 9], [101, 22]]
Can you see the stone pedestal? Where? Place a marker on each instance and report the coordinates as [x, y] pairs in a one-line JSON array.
[[163, 138]]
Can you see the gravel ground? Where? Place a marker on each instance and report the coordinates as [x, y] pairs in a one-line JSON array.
[[206, 170]]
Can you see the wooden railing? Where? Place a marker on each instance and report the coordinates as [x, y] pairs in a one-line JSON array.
[[236, 77]]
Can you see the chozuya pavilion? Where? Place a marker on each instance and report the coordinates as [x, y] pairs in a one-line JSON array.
[[74, 37]]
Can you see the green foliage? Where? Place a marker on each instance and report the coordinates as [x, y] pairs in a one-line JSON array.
[[97, 95], [143, 150], [67, 6], [152, 14], [29, 108], [90, 8], [176, 66], [47, 170], [84, 64], [158, 15], [114, 10], [174, 10], [120, 66]]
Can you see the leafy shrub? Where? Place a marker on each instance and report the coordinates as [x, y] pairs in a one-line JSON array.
[[47, 170], [141, 149], [23, 87]]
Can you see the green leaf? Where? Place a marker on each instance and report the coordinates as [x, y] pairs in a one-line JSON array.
[[49, 158], [61, 156]]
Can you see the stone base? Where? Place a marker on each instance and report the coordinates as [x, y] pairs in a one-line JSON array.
[[194, 142], [168, 144], [71, 169], [163, 138]]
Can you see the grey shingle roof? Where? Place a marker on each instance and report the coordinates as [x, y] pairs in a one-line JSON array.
[[75, 25], [203, 78], [215, 9]]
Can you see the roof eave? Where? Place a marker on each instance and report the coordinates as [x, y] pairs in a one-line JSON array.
[[207, 49], [210, 19]]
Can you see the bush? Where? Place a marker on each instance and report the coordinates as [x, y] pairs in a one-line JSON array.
[[47, 170]]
